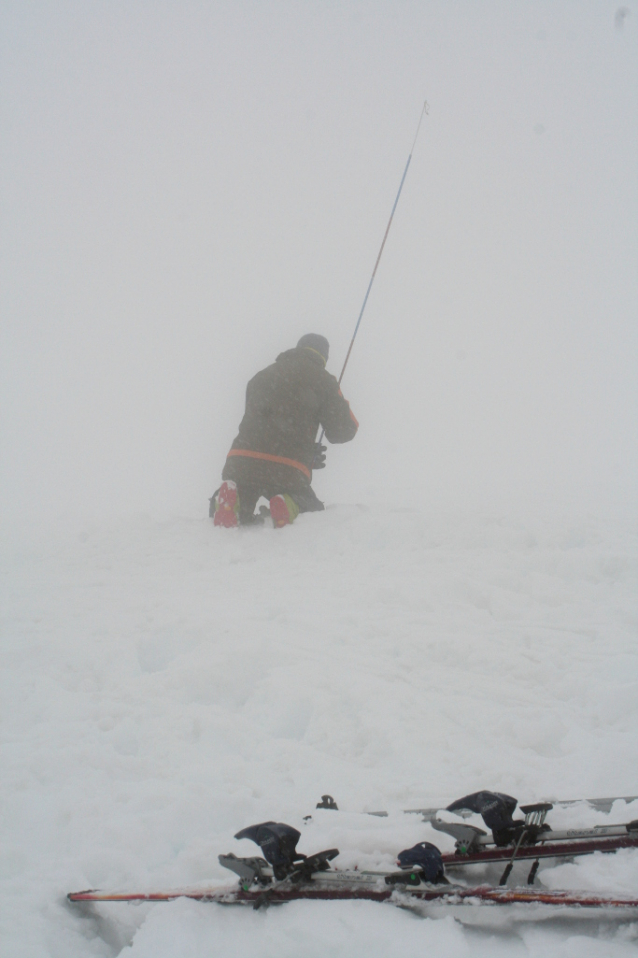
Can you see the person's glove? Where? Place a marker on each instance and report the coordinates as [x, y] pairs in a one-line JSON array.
[[319, 458]]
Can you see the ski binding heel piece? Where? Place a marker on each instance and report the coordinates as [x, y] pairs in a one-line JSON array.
[[250, 870], [466, 836], [314, 863]]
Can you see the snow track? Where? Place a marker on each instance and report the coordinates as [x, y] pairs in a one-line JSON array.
[[167, 684]]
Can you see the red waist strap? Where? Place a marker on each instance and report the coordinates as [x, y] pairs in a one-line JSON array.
[[264, 455]]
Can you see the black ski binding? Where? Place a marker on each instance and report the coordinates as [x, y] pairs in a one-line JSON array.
[[279, 845], [314, 863], [535, 824], [496, 810], [425, 864], [278, 842]]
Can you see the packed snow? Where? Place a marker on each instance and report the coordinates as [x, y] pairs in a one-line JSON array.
[[168, 683]]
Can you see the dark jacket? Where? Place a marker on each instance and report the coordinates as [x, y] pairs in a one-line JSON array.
[[287, 402]]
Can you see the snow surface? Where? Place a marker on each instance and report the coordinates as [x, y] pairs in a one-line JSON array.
[[168, 683]]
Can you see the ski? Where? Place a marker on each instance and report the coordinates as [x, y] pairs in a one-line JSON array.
[[599, 804], [351, 886], [474, 845], [284, 874], [521, 839], [546, 849]]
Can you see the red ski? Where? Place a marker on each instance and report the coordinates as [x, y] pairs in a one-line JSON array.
[[550, 845], [287, 875], [350, 886]]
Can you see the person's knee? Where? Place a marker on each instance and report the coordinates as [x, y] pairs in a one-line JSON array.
[[307, 500]]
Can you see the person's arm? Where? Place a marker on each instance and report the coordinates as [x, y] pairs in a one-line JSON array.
[[337, 419]]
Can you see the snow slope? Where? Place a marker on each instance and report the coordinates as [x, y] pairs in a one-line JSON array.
[[167, 683]]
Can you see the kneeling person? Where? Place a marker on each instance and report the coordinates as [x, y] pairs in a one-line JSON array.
[[275, 450]]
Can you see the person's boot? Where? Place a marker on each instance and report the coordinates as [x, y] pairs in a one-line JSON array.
[[227, 506], [284, 510]]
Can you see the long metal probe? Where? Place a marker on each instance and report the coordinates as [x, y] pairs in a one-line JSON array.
[[385, 236]]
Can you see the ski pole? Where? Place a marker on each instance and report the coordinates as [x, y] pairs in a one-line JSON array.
[[385, 236]]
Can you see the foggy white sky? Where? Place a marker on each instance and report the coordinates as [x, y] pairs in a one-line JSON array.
[[189, 187]]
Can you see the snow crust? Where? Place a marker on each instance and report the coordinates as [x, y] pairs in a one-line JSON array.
[[167, 683]]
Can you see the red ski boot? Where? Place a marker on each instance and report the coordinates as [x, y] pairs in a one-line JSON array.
[[227, 506], [284, 510]]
